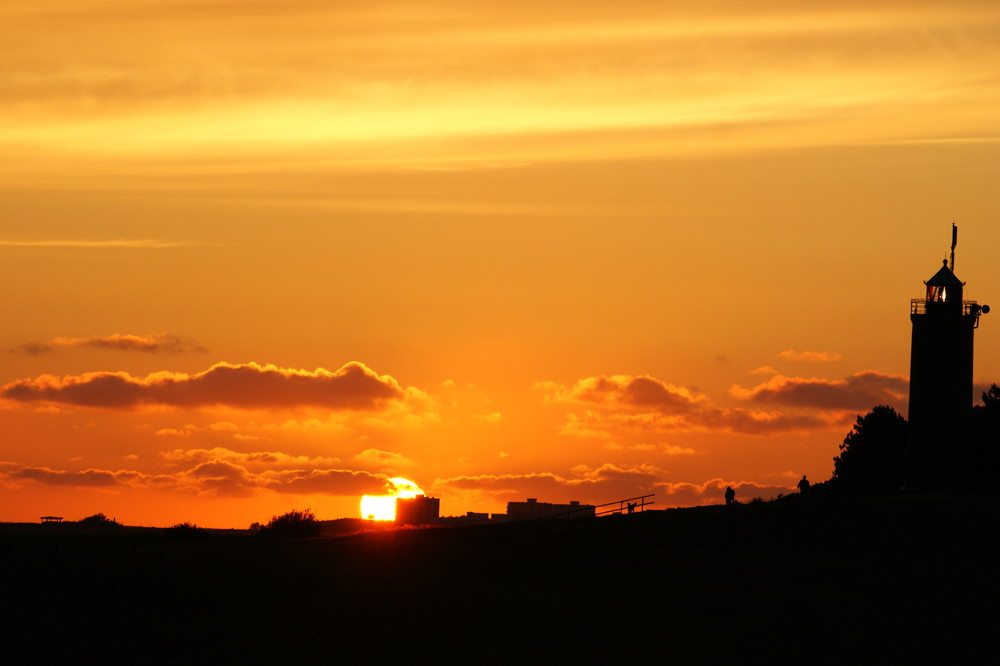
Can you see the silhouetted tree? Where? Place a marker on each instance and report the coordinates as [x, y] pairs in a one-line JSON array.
[[871, 456], [292, 525], [991, 399], [978, 452]]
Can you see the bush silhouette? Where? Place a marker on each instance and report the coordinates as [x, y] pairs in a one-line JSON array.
[[292, 525], [99, 520], [185, 532]]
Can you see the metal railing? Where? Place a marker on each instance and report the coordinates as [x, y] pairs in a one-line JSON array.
[[625, 505], [922, 306]]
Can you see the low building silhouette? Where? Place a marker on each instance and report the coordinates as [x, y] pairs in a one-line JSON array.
[[533, 509], [419, 510], [470, 518]]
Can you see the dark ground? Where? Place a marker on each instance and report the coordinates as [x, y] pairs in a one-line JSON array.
[[813, 581]]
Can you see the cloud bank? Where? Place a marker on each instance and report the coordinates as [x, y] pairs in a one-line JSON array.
[[646, 404], [248, 386], [217, 476]]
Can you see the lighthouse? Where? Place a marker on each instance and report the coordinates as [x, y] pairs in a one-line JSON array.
[[941, 354]]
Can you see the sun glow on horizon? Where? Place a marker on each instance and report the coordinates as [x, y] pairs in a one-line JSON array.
[[383, 507]]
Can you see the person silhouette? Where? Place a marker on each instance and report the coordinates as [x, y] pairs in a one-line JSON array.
[[803, 485], [730, 495]]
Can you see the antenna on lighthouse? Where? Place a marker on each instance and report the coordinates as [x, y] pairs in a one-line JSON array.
[[954, 242]]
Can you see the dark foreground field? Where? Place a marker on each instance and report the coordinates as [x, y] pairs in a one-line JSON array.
[[807, 582]]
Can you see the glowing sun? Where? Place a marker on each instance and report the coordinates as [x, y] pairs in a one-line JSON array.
[[383, 507]]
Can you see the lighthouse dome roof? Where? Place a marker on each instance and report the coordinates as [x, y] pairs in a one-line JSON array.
[[944, 278]]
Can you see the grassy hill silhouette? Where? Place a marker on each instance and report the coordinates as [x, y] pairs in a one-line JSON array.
[[805, 580]]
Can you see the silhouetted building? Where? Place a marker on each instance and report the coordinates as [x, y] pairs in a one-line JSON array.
[[940, 375], [533, 509], [470, 518], [419, 510]]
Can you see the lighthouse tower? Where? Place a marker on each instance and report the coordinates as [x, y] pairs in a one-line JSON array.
[[940, 375]]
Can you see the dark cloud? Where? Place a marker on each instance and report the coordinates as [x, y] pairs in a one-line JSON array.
[[163, 343], [716, 419], [860, 391], [249, 386], [755, 422]]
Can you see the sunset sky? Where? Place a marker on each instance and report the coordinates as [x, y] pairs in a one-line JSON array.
[[263, 255]]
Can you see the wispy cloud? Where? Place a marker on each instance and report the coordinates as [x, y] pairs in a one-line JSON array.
[[382, 460], [787, 75], [810, 356], [123, 243]]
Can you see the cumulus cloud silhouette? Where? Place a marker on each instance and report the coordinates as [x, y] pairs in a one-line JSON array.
[[860, 391], [247, 386], [163, 343]]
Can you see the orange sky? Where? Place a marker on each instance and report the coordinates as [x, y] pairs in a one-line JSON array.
[[257, 256]]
